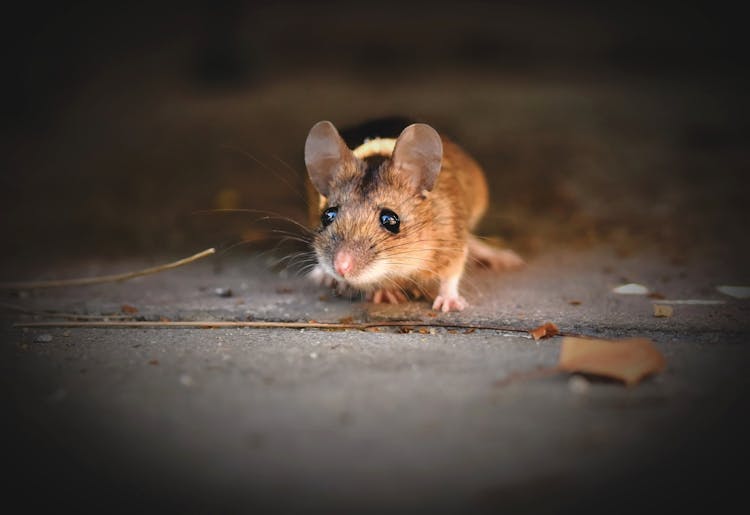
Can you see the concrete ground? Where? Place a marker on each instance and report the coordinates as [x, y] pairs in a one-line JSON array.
[[288, 420]]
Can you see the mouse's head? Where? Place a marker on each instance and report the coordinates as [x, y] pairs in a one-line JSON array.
[[374, 217]]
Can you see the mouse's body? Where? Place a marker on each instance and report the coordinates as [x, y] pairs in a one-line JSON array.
[[396, 213]]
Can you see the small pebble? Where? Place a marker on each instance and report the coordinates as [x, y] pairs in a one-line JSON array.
[[314, 355], [223, 292], [43, 338], [631, 289], [578, 384], [186, 380]]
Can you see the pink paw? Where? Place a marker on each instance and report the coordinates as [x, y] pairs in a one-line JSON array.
[[449, 303], [387, 296]]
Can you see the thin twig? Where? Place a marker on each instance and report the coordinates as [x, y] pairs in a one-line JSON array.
[[85, 281], [207, 324]]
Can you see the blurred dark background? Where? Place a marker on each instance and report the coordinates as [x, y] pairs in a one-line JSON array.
[[610, 123]]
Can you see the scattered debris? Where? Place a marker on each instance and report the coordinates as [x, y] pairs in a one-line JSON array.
[[43, 338], [656, 296], [575, 302], [662, 311], [631, 289], [223, 292], [153, 362], [628, 360], [546, 330], [128, 309], [738, 292]]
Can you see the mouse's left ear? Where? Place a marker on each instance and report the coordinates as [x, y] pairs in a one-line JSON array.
[[418, 155]]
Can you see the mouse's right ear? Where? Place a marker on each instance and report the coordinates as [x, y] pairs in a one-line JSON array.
[[326, 155]]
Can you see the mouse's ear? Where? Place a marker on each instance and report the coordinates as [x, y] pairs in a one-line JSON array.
[[418, 155], [326, 155]]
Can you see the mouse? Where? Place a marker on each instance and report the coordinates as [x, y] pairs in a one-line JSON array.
[[395, 211]]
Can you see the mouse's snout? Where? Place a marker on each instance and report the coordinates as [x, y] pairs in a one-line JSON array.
[[352, 261], [343, 262]]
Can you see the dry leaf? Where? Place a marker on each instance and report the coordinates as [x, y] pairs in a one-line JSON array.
[[627, 360], [547, 330], [575, 302], [662, 311], [130, 310]]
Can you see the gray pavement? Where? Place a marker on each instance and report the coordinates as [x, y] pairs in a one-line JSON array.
[[280, 420]]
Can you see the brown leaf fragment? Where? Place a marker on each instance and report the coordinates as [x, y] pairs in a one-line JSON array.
[[663, 311], [127, 308], [575, 303], [628, 360], [469, 330], [346, 320], [656, 295], [546, 330]]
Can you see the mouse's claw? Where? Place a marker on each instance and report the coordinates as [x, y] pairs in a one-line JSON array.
[[449, 303]]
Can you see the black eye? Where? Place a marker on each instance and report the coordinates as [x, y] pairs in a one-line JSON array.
[[390, 221], [328, 216]]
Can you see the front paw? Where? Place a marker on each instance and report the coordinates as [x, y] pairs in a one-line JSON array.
[[449, 303], [384, 295]]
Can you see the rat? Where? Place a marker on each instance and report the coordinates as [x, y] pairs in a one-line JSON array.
[[395, 215]]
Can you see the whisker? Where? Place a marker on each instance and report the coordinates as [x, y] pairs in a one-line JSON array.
[[247, 154]]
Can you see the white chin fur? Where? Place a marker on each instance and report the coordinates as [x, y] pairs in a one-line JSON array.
[[369, 278]]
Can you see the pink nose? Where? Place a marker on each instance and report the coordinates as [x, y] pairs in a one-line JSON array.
[[343, 263]]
